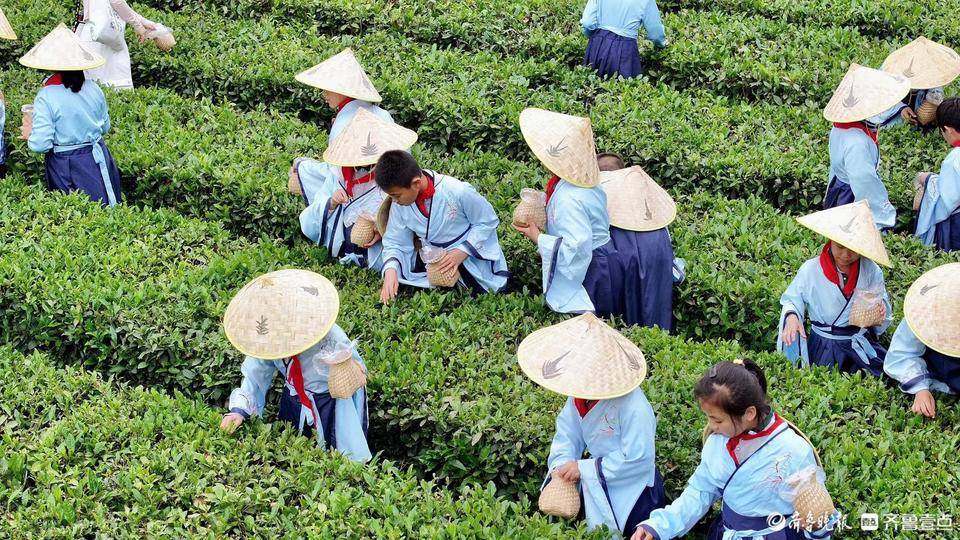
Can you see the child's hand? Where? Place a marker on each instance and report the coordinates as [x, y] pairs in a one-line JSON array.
[[376, 238], [792, 328], [390, 285], [642, 534], [531, 231], [451, 261], [924, 404], [230, 422], [339, 198], [569, 471], [909, 116]]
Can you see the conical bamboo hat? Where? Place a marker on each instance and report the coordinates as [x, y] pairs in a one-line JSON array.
[[6, 31], [343, 74], [851, 226], [281, 314], [365, 139], [864, 92], [582, 357], [926, 63], [61, 50], [563, 143], [635, 202], [932, 309]]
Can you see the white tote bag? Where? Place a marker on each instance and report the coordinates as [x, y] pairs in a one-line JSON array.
[[103, 32]]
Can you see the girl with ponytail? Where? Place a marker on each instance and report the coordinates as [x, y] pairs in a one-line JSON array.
[[763, 469]]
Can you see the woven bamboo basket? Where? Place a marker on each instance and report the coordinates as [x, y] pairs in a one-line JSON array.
[[440, 279], [165, 41], [867, 311], [364, 231], [560, 498], [531, 210], [293, 181], [346, 378], [813, 505], [927, 112]]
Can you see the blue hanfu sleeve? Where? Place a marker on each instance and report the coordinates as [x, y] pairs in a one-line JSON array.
[[481, 242], [572, 245], [792, 301], [250, 397], [104, 111], [677, 518], [42, 134], [568, 444], [653, 24], [397, 242], [866, 184], [590, 20], [941, 198], [904, 361]]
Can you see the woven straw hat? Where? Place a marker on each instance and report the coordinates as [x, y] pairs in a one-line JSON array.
[[584, 358], [932, 309], [61, 50], [365, 139], [341, 73], [280, 314], [926, 63], [864, 92], [851, 226], [635, 202], [6, 31], [563, 143]]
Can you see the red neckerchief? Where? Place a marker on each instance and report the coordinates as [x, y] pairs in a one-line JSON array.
[[295, 376], [343, 104], [425, 195], [552, 186], [830, 270], [350, 182], [53, 80], [862, 126], [747, 435], [584, 405], [955, 144]]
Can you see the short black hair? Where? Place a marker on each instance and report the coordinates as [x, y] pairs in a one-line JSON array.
[[612, 160], [396, 168], [948, 113], [735, 387], [72, 80]]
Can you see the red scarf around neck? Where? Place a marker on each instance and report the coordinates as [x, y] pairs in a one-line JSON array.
[[830, 271], [53, 80], [425, 195], [295, 376], [747, 435], [552, 186], [955, 144], [348, 179], [862, 126], [584, 405], [343, 104]]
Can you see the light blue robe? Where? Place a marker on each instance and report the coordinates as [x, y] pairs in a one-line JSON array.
[[577, 224], [460, 218], [941, 198], [855, 160], [624, 17], [811, 295], [315, 174], [619, 434], [258, 377], [331, 228], [3, 134], [759, 488], [906, 365]]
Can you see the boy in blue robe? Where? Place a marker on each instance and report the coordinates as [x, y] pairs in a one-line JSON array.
[[612, 27], [924, 355], [442, 212], [346, 89], [938, 218]]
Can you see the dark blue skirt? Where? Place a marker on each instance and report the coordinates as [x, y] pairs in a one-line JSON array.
[[611, 55], [838, 194], [653, 497], [943, 368], [603, 281], [645, 295], [76, 170], [728, 519], [839, 353], [947, 234], [290, 408]]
